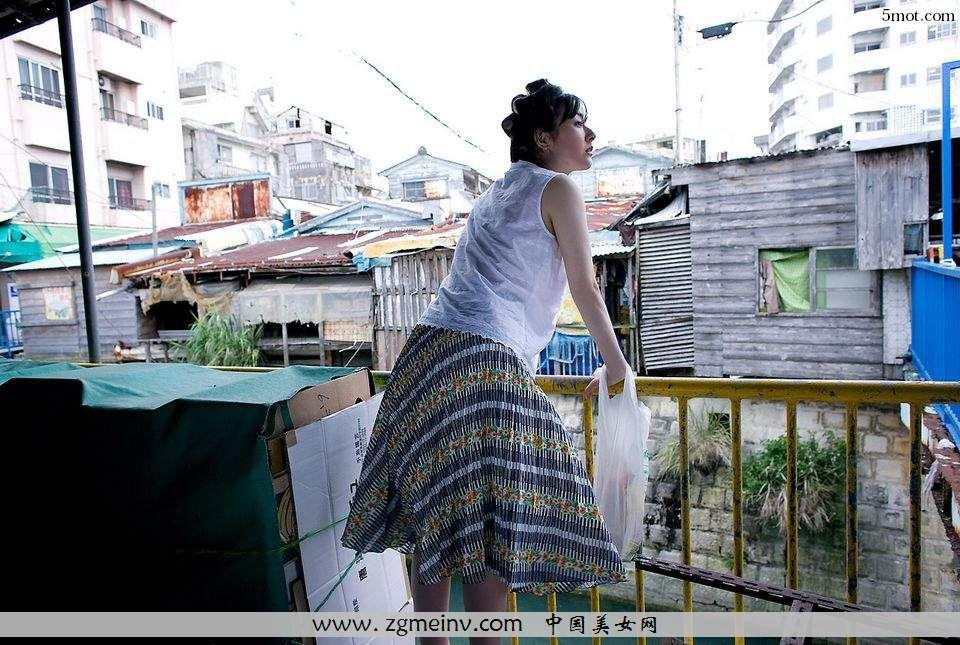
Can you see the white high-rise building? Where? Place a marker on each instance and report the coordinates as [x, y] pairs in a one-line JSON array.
[[129, 118], [851, 69]]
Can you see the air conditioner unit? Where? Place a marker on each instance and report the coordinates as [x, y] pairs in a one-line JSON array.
[[105, 83]]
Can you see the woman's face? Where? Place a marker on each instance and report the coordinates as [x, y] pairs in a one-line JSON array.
[[570, 148]]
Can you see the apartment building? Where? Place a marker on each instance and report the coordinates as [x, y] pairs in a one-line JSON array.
[[227, 132], [322, 166], [129, 117], [848, 70]]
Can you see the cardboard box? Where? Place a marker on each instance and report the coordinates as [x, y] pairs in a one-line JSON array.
[[325, 431]]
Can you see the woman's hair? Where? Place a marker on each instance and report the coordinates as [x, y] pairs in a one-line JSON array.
[[544, 107]]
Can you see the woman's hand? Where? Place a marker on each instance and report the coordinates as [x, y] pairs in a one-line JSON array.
[[615, 376]]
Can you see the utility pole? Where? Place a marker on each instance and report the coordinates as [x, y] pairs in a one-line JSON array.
[[153, 216], [677, 38], [79, 180]]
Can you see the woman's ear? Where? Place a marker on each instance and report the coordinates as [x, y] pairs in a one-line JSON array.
[[543, 140]]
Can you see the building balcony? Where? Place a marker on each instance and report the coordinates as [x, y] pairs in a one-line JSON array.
[[49, 195], [870, 60], [110, 114], [782, 74], [125, 138], [43, 119], [111, 29], [117, 52], [866, 19], [120, 202]]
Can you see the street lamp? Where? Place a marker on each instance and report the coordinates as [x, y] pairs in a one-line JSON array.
[[717, 31]]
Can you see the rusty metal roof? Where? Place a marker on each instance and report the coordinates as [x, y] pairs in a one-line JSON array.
[[171, 233], [603, 213], [302, 253]]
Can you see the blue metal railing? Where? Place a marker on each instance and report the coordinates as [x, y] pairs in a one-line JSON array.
[[935, 313], [10, 339]]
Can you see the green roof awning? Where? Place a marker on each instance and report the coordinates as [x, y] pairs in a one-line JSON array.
[[25, 241]]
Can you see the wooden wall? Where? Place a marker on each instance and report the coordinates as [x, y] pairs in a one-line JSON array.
[[67, 340], [804, 199], [401, 293], [893, 190]]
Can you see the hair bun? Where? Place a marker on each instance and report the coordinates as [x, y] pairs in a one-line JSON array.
[[537, 85]]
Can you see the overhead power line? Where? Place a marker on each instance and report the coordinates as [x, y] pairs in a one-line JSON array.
[[418, 104]]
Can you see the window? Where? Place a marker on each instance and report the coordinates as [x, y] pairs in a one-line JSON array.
[[259, 162], [825, 101], [931, 115], [870, 82], [908, 38], [224, 153], [933, 74], [825, 25], [99, 12], [866, 5], [787, 286], [840, 284], [148, 29], [120, 192], [913, 238], [784, 280], [39, 83], [941, 30], [154, 110], [868, 45], [58, 303], [49, 184], [428, 189], [908, 80], [825, 63], [870, 121], [327, 127], [163, 191]]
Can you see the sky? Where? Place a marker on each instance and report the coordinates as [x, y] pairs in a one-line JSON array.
[[465, 61]]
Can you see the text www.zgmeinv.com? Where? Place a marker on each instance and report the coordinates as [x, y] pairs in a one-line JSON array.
[[404, 626]]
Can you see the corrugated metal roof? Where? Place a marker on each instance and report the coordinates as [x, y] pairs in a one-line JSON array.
[[302, 252], [71, 260], [607, 243]]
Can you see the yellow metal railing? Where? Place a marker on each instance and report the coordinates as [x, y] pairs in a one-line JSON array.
[[849, 394]]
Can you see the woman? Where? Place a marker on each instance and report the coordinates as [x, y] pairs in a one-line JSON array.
[[469, 467]]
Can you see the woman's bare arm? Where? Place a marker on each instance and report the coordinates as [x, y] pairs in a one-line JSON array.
[[564, 214]]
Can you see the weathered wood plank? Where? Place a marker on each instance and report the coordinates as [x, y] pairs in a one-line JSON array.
[[801, 369], [803, 217], [799, 236]]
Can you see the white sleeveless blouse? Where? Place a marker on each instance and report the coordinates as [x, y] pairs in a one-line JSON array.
[[507, 279]]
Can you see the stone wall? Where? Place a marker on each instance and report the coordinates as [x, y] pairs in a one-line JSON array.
[[883, 505]]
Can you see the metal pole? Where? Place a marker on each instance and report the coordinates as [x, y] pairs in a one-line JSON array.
[[677, 144], [946, 166], [79, 180], [153, 217]]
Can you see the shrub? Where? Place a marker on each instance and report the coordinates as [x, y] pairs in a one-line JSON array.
[[217, 339], [709, 446], [821, 474]]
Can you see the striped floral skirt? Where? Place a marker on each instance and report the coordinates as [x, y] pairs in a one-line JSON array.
[[469, 464]]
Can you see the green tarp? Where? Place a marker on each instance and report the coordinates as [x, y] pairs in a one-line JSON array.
[[141, 487]]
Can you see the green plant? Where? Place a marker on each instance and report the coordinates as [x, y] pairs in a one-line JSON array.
[[218, 339], [708, 446], [821, 476]]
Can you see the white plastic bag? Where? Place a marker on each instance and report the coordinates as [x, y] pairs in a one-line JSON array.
[[622, 463]]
